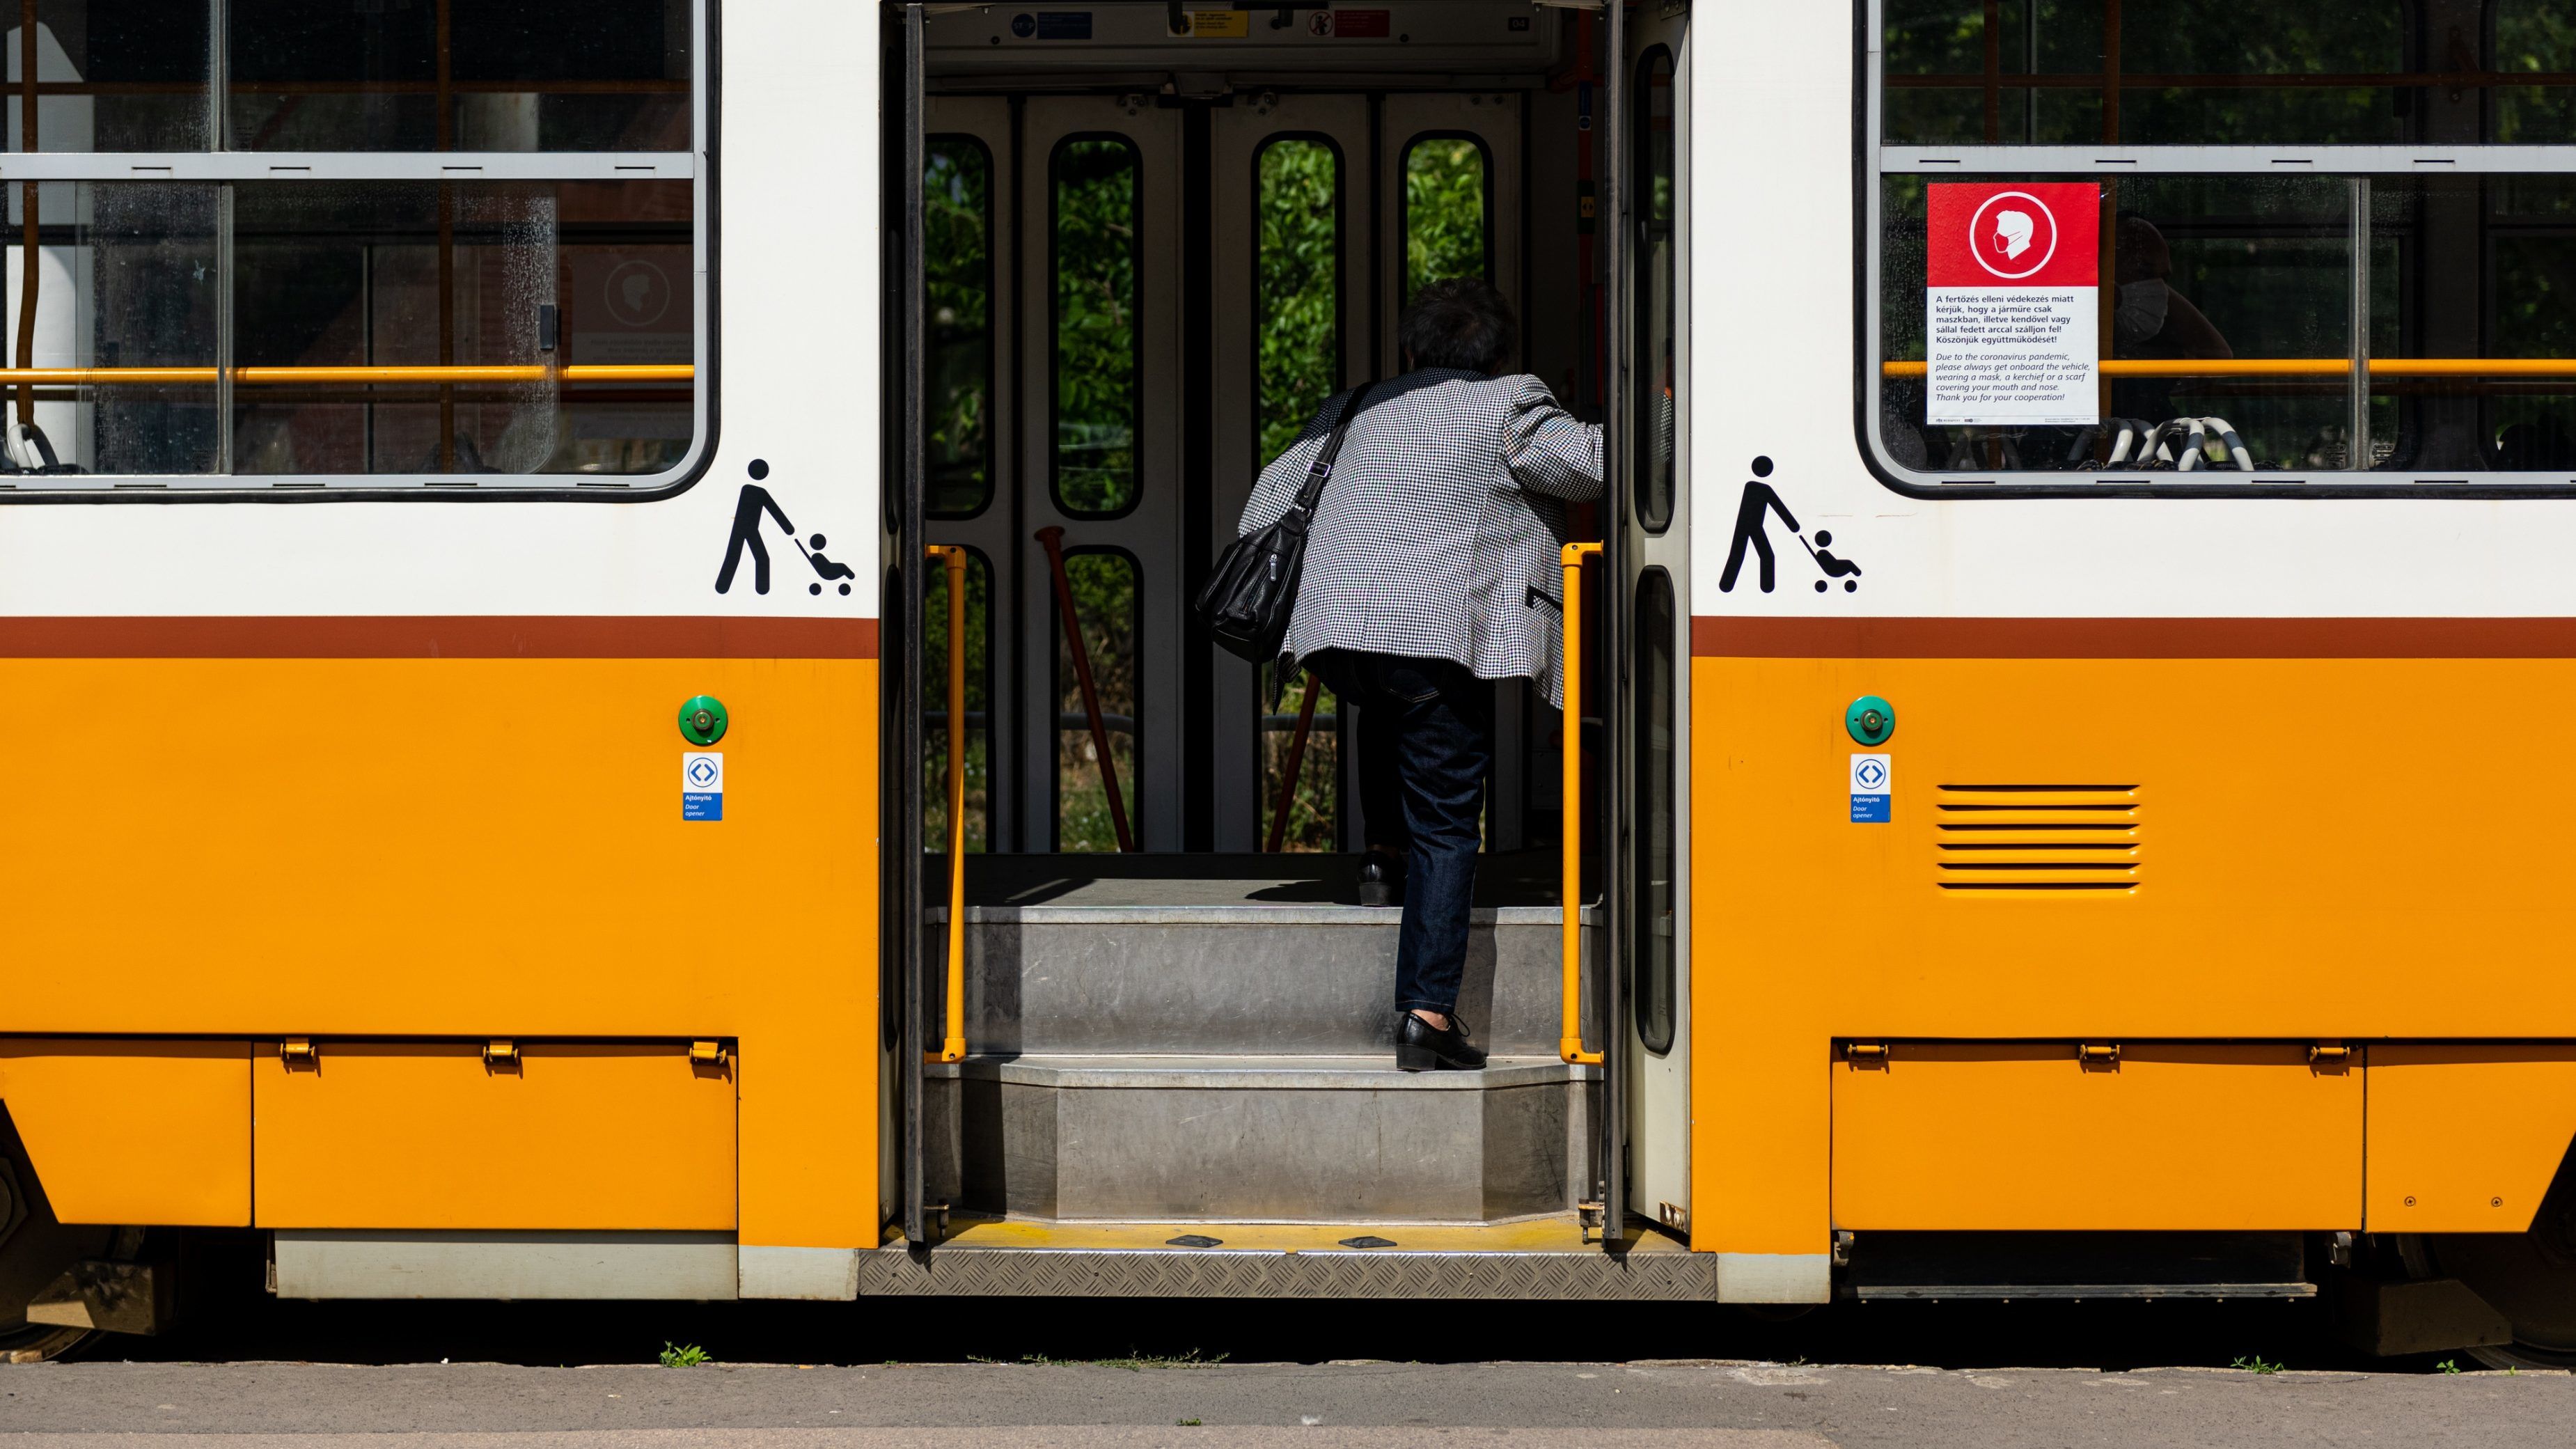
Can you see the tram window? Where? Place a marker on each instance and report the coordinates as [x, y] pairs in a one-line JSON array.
[[1656, 296], [934, 705], [124, 278], [351, 274], [1098, 201], [2473, 267], [1299, 299], [2533, 37], [295, 321], [2208, 269], [118, 75], [1448, 211], [1299, 283], [1652, 915], [2157, 73], [1107, 593], [464, 75], [957, 177]]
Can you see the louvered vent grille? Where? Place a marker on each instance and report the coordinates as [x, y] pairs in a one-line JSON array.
[[2051, 838]]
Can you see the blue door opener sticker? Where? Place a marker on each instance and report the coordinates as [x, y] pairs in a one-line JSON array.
[[701, 785], [1872, 787]]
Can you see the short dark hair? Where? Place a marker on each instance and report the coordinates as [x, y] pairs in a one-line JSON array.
[[1463, 323]]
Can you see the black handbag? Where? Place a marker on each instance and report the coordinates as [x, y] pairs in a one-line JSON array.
[[1248, 600]]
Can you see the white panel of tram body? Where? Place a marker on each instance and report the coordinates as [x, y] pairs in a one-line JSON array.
[[797, 379], [1772, 301]]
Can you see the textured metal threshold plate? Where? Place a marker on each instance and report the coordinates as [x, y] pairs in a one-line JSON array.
[[1535, 1260]]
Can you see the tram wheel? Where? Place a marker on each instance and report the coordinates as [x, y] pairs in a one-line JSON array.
[[35, 1250], [2528, 1277]]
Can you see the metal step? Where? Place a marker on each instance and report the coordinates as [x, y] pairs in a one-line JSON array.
[[1241, 1138], [1240, 978]]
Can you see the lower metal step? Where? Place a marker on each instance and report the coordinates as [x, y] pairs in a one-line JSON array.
[[1286, 1139]]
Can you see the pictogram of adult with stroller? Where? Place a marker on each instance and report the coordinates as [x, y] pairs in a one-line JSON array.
[[749, 509]]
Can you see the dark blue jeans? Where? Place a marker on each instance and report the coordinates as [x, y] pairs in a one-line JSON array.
[[1426, 732]]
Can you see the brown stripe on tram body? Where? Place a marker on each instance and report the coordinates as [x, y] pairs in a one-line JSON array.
[[1944, 638], [499, 636]]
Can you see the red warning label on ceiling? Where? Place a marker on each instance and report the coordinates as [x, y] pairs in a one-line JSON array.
[[1363, 24], [2012, 303]]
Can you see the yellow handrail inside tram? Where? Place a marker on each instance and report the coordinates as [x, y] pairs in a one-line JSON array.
[[258, 376], [1569, 1043], [2305, 367], [953, 559]]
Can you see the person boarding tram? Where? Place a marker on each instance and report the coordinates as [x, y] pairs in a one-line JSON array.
[[1431, 570]]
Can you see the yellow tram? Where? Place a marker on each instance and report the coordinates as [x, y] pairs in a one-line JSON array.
[[2137, 427]]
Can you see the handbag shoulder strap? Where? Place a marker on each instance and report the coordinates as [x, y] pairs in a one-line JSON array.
[[1322, 472]]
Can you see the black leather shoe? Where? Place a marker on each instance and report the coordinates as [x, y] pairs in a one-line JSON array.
[[1420, 1046], [1381, 879]]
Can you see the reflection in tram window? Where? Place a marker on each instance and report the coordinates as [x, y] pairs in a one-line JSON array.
[[2204, 269], [2192, 72], [2534, 37], [1107, 601], [350, 274], [119, 75], [125, 277], [1448, 222], [979, 693], [1099, 358], [1657, 398], [1652, 917], [1299, 339], [2473, 267], [464, 75], [957, 182]]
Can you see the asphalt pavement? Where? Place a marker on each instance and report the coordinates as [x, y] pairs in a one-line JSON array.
[[1350, 1405]]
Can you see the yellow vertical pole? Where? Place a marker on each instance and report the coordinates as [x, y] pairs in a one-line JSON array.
[[953, 1049], [1570, 1039]]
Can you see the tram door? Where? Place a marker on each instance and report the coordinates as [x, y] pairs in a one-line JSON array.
[[1318, 245], [1059, 323], [1652, 384], [1054, 443]]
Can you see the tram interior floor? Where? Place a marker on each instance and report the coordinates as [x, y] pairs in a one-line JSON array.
[[1516, 878]]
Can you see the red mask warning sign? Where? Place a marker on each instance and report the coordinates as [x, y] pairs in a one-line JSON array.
[[2012, 316]]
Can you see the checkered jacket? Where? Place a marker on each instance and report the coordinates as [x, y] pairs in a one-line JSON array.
[[1438, 534]]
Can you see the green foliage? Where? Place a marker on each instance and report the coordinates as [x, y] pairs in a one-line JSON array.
[[1300, 288], [957, 235], [1098, 390], [674, 1356], [1444, 211], [2254, 1365], [2447, 1366]]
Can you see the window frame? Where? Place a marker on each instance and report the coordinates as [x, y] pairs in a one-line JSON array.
[[1404, 203], [224, 168], [1874, 159], [1055, 327]]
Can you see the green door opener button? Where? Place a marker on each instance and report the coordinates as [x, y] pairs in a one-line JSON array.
[[702, 720], [1870, 719]]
